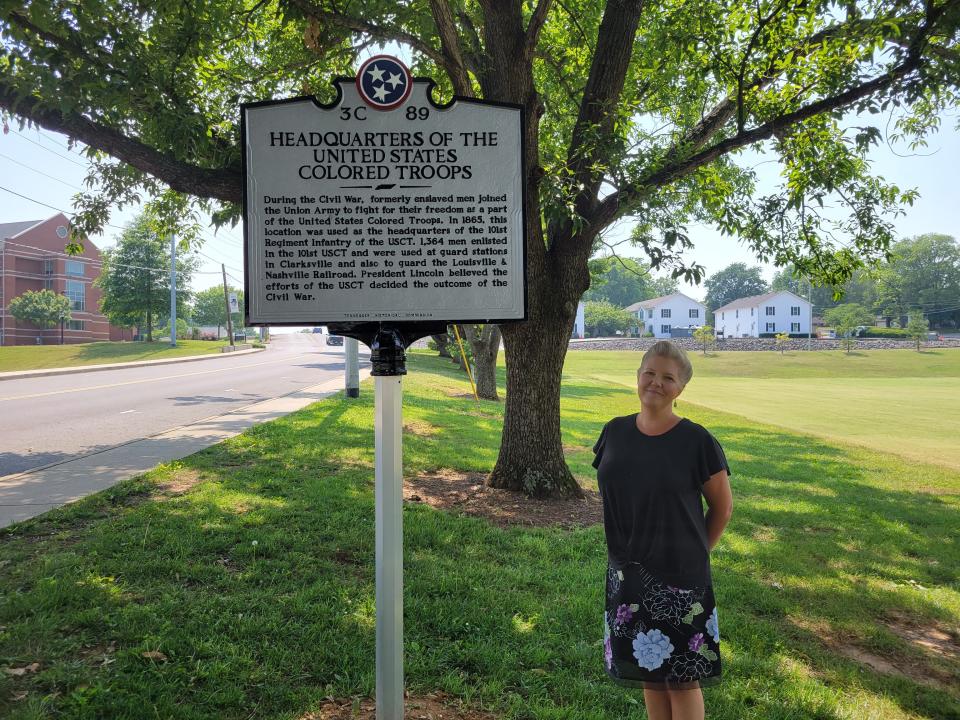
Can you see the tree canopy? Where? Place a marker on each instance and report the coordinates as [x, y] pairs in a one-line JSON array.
[[135, 278], [921, 275], [734, 281], [633, 110], [624, 281], [43, 308], [210, 308]]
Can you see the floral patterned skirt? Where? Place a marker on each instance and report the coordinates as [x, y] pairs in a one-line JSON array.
[[657, 636]]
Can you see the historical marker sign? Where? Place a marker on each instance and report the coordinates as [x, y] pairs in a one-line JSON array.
[[383, 206]]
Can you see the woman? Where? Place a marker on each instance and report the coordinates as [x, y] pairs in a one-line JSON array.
[[653, 467]]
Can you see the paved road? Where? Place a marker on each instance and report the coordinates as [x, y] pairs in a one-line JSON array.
[[52, 419]]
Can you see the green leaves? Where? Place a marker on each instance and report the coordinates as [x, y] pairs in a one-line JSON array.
[[43, 308]]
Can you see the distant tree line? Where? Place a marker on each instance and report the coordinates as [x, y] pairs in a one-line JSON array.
[[919, 279]]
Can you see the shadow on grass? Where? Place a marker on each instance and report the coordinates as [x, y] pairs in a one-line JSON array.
[[256, 584]]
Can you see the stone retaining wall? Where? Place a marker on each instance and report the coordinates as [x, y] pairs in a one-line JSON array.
[[748, 344]]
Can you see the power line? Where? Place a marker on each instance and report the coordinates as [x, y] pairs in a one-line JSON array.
[[44, 147], [42, 253], [40, 172]]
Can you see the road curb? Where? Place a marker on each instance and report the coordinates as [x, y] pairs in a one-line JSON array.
[[20, 374]]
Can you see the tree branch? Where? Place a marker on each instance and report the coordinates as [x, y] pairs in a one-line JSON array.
[[450, 42], [613, 204], [368, 28], [608, 72], [225, 185], [534, 27]]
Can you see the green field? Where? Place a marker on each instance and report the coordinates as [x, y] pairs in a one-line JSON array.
[[895, 401], [239, 582], [42, 357]]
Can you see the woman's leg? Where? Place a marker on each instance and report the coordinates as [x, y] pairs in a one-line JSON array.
[[658, 704], [686, 704]]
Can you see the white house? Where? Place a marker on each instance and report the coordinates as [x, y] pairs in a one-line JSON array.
[[668, 316], [773, 312]]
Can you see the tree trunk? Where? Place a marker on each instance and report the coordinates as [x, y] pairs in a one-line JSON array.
[[531, 452], [149, 326], [485, 345], [441, 341]]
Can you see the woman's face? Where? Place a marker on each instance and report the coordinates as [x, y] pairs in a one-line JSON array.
[[658, 382]]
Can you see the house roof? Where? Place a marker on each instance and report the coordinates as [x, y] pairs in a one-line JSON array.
[[11, 230], [653, 302], [755, 300]]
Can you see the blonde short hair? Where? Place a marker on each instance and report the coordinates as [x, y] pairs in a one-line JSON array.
[[666, 349]]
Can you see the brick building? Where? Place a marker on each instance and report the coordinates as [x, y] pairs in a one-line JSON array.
[[32, 258]]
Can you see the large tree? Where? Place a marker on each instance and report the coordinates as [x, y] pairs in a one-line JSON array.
[[624, 281], [734, 281], [135, 278], [210, 308], [633, 109], [924, 276]]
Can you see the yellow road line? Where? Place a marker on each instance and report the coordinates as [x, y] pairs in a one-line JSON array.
[[145, 380]]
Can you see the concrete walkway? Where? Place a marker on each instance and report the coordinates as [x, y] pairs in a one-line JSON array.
[[32, 493]]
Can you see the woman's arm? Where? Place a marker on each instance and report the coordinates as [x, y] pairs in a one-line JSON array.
[[720, 505]]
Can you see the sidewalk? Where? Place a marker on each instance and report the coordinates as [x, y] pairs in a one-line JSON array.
[[34, 492], [43, 372]]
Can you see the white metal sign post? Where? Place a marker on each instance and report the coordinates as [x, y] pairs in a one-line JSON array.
[[385, 217]]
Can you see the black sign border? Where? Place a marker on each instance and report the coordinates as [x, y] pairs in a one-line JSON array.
[[431, 84]]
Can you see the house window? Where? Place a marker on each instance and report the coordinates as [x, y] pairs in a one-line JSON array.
[[75, 291], [650, 313], [48, 283], [771, 327], [723, 316], [695, 313], [751, 312], [795, 310], [771, 310], [665, 312], [664, 329], [75, 325], [74, 267], [736, 313], [795, 327], [48, 266]]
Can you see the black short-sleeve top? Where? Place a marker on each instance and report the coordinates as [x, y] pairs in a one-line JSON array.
[[651, 487]]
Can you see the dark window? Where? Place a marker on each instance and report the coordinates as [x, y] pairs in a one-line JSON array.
[[795, 310], [771, 327], [665, 313], [75, 325], [771, 310], [794, 327], [665, 329], [74, 267], [695, 313]]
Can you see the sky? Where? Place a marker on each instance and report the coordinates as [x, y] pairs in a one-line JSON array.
[[39, 175]]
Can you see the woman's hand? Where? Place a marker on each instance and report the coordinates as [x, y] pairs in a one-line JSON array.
[[720, 503]]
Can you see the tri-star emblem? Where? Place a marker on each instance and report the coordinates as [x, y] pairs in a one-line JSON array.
[[384, 82]]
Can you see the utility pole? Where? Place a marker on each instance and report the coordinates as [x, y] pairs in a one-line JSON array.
[[226, 304], [173, 290]]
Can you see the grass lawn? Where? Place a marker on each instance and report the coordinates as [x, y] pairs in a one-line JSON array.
[[245, 573], [895, 401], [37, 357]]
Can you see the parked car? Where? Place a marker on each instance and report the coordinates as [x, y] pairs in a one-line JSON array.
[[335, 340]]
